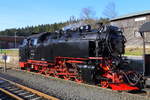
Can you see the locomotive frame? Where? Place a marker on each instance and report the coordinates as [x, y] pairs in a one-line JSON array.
[[86, 55]]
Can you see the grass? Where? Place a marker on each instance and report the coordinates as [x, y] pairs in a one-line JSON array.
[[128, 51], [136, 51], [10, 52]]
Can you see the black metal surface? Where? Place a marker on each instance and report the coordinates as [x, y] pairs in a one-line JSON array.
[[147, 64], [46, 46], [146, 68], [87, 72]]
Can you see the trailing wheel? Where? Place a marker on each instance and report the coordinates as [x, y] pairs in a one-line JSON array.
[[66, 77], [47, 72], [78, 79], [104, 84], [54, 74]]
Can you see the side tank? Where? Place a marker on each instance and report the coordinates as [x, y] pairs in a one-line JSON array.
[[79, 44], [46, 46]]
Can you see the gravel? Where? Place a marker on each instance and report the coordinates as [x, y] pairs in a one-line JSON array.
[[67, 90]]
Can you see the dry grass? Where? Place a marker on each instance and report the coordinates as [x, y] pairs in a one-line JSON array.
[[128, 51], [14, 52], [136, 51]]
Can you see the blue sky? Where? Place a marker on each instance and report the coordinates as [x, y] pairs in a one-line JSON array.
[[21, 13]]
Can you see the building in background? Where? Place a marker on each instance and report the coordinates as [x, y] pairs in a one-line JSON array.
[[131, 24], [8, 42]]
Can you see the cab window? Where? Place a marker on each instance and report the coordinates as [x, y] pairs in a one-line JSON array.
[[33, 42]]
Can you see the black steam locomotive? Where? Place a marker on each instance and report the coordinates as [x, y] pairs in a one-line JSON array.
[[81, 55]]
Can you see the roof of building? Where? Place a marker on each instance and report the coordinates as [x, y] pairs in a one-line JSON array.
[[131, 15], [11, 38]]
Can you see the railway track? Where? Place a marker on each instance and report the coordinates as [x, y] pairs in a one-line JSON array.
[[135, 94], [144, 92], [13, 91]]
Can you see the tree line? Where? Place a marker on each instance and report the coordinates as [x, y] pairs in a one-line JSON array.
[[26, 31], [87, 16], [32, 29]]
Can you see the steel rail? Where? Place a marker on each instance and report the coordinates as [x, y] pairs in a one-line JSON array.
[[43, 95]]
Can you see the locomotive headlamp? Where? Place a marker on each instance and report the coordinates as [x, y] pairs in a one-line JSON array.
[[81, 27], [85, 28]]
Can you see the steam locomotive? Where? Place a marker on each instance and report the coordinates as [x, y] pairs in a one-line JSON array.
[[92, 56]]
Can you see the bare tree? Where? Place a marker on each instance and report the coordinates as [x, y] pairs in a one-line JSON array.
[[72, 19], [87, 13], [110, 10]]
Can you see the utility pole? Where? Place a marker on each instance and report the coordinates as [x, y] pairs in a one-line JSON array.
[[15, 39], [5, 58], [144, 52], [1, 48]]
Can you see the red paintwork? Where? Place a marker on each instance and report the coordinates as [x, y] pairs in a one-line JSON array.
[[74, 61], [72, 58], [60, 69], [99, 58], [22, 64], [122, 86]]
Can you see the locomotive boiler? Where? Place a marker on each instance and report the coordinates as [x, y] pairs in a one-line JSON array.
[[82, 55]]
